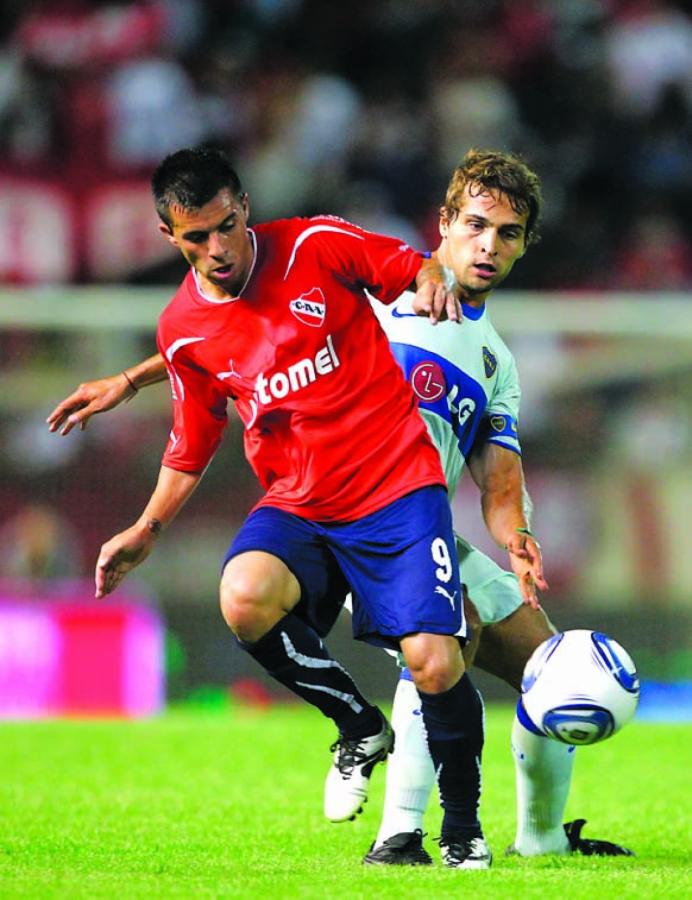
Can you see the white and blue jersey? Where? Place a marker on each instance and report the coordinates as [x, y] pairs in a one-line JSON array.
[[464, 377], [467, 385]]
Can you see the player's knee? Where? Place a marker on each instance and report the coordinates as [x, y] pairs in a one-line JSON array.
[[436, 679], [435, 669], [242, 606], [252, 601], [243, 622]]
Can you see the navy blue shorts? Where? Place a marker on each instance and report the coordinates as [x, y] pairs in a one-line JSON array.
[[399, 563]]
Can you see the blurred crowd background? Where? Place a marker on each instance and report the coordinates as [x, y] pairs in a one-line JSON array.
[[360, 109]]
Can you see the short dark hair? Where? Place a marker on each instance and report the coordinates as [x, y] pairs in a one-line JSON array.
[[192, 177], [491, 170]]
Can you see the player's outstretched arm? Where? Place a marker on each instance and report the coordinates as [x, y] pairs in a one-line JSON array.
[[500, 477], [103, 394], [131, 547], [434, 296]]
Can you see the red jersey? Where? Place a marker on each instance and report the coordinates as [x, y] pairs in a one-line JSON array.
[[331, 425]]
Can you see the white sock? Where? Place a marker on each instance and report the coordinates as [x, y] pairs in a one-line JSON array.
[[410, 771], [543, 770]]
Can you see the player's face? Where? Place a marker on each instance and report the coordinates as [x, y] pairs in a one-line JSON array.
[[482, 242], [214, 239]]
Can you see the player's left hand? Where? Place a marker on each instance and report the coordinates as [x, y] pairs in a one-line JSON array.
[[119, 556], [436, 301], [527, 564], [90, 398]]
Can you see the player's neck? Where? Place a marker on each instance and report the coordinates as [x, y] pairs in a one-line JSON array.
[[475, 300], [472, 298], [214, 291]]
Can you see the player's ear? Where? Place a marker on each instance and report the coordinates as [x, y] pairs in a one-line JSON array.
[[245, 204], [445, 219], [167, 233]]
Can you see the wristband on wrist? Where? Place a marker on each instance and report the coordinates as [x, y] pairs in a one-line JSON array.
[[154, 525], [130, 382], [528, 533]]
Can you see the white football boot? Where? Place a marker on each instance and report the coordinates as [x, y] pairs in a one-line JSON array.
[[346, 788], [472, 853]]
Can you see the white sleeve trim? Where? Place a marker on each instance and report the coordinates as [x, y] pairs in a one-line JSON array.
[[314, 229], [170, 353]]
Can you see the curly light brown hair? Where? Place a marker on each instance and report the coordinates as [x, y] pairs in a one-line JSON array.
[[490, 171]]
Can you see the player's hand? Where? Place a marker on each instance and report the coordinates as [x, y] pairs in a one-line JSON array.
[[436, 301], [90, 398], [119, 556], [527, 564]]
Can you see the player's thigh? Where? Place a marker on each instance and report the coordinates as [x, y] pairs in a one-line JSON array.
[[280, 562], [258, 577], [401, 564], [474, 629], [505, 646]]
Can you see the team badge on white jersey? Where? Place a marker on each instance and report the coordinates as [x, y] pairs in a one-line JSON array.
[[500, 423], [489, 362], [309, 308]]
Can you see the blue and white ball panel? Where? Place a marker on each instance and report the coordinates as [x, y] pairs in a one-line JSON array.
[[614, 661], [538, 661], [579, 723]]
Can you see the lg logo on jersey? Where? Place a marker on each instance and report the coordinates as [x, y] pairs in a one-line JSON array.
[[429, 384], [428, 381], [464, 409], [309, 308]]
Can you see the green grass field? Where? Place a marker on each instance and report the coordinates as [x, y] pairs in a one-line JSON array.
[[227, 803]]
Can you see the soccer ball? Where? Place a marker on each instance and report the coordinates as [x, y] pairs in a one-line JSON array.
[[579, 687]]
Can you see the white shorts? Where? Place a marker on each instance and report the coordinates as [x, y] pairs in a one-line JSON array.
[[493, 591]]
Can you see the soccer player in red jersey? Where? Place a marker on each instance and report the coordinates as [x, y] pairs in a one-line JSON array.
[[276, 318], [491, 211]]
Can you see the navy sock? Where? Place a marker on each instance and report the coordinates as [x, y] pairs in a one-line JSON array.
[[293, 654], [454, 723]]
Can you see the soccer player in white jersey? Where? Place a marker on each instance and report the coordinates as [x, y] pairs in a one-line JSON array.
[[468, 390], [467, 385]]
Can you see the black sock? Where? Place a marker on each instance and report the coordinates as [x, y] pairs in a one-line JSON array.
[[454, 723], [293, 654]]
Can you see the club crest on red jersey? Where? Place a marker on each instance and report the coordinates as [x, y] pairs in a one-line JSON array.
[[309, 308]]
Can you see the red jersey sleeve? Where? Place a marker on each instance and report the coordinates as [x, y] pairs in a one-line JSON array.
[[385, 266], [199, 412]]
